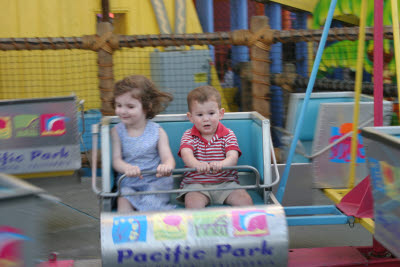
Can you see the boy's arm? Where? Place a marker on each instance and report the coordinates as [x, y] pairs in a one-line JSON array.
[[191, 162], [167, 159], [117, 162], [232, 154], [231, 159]]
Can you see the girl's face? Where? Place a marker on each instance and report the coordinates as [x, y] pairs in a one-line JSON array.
[[205, 116], [129, 109]]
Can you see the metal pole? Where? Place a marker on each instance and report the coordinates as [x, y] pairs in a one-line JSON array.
[[282, 185]]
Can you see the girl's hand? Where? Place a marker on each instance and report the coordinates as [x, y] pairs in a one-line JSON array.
[[203, 167], [216, 166], [133, 171], [164, 170]]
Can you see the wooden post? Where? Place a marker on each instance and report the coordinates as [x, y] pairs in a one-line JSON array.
[[246, 99], [106, 76], [260, 69]]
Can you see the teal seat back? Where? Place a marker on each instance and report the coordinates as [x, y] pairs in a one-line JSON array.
[[310, 120], [311, 114], [247, 131]]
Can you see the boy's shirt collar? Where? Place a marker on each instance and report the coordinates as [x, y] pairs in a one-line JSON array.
[[221, 131]]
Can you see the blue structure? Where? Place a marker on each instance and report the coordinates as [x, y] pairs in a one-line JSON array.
[[205, 11], [273, 12], [301, 47], [239, 20]]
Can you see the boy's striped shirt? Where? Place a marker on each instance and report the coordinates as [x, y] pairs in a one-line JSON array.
[[223, 141]]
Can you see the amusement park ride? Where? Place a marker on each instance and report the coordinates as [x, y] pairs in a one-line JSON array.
[[258, 235]]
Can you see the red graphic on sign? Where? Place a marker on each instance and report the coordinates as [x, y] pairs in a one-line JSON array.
[[52, 124]]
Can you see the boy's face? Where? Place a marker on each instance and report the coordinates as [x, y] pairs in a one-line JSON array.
[[205, 116]]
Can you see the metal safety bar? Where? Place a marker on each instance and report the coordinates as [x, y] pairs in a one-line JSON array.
[[95, 132], [183, 170]]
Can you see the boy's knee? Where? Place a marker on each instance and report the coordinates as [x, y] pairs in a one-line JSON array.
[[239, 198], [195, 200]]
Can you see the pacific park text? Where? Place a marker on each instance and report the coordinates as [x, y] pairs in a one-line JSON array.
[[180, 254]]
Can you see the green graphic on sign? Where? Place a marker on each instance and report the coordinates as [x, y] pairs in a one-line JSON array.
[[26, 125], [211, 224]]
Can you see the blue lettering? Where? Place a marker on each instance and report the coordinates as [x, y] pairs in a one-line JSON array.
[[167, 254], [49, 155], [45, 156], [7, 158], [265, 250], [239, 252], [19, 158], [35, 154], [221, 249], [154, 255], [122, 255], [63, 153], [197, 256], [177, 254], [140, 257]]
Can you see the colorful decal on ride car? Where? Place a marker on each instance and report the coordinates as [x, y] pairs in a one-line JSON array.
[[391, 179], [53, 124], [341, 152], [250, 223], [26, 125], [11, 240], [129, 229], [167, 227], [5, 128], [211, 224]]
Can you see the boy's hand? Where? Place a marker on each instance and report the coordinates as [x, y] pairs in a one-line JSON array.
[[216, 166], [203, 167], [164, 170], [133, 171]]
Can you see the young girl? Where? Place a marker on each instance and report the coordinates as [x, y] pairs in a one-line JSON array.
[[141, 145]]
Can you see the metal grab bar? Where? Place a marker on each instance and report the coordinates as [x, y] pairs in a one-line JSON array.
[[176, 171], [275, 168], [95, 134]]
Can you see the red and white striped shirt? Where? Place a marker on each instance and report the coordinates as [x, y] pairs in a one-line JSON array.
[[206, 151]]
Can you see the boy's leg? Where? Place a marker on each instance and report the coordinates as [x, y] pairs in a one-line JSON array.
[[196, 200], [124, 205], [239, 197]]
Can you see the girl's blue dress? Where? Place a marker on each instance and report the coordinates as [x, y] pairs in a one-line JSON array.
[[142, 151]]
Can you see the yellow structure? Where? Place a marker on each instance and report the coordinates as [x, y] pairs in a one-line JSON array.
[[28, 74], [298, 4]]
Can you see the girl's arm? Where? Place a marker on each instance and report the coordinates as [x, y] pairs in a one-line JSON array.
[[118, 163], [167, 159]]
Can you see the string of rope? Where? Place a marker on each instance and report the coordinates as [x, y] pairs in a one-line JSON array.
[[101, 42], [261, 97]]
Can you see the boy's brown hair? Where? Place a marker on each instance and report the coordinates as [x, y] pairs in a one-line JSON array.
[[203, 94], [153, 100]]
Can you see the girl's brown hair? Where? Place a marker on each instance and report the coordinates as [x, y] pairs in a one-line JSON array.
[[202, 94], [153, 100]]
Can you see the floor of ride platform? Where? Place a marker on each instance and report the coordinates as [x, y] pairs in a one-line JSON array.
[[73, 229]]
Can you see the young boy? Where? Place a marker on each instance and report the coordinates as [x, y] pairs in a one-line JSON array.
[[208, 147]]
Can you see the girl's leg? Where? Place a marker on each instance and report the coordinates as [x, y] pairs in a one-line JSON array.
[[124, 205], [239, 197], [195, 200]]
